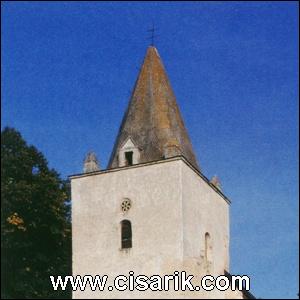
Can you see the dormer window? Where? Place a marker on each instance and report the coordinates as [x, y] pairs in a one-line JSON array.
[[129, 158], [129, 153]]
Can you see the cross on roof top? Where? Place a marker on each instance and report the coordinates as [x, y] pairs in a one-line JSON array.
[[152, 30]]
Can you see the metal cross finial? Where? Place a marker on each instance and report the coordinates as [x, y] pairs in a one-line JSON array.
[[152, 30]]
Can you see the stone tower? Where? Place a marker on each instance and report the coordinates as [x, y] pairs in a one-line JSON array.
[[151, 211]]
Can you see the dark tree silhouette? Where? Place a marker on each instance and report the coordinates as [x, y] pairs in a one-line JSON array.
[[35, 222]]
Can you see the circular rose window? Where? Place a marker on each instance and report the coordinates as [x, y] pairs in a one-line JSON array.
[[126, 205]]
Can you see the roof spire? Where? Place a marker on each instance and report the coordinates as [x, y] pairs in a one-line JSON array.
[[91, 163], [152, 121], [215, 181]]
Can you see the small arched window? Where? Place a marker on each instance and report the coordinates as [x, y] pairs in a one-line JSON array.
[[126, 234], [208, 248]]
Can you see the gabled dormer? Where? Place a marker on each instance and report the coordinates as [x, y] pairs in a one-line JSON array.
[[129, 153]]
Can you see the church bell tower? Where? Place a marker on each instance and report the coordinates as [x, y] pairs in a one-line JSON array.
[[151, 211]]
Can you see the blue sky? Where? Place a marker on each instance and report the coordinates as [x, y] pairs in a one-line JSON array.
[[68, 69]]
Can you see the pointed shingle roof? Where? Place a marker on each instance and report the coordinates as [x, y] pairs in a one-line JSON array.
[[152, 120]]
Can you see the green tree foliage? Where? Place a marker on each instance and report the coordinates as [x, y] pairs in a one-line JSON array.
[[35, 222]]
